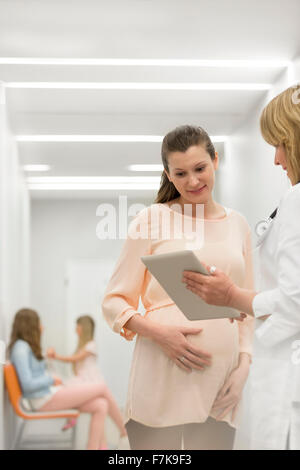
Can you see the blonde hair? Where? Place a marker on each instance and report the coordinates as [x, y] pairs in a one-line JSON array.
[[87, 333], [280, 125], [179, 140]]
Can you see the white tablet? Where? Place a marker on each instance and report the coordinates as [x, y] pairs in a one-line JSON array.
[[167, 269]]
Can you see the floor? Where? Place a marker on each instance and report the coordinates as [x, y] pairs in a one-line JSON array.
[[53, 427]]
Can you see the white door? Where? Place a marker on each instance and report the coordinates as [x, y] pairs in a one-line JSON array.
[[86, 281]]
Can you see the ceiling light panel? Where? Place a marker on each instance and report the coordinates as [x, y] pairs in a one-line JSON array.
[[140, 86], [146, 62], [101, 138]]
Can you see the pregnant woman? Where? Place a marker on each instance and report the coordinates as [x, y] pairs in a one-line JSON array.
[[179, 367]]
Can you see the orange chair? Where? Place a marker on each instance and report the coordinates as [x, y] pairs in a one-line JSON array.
[[15, 396]]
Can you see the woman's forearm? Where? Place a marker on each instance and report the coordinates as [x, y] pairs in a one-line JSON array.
[[241, 299], [244, 359], [143, 327], [64, 358]]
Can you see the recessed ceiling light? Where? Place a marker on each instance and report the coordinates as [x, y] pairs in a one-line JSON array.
[[36, 167], [146, 167]]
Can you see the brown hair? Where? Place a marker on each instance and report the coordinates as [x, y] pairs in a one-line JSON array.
[[280, 125], [26, 326], [179, 140]]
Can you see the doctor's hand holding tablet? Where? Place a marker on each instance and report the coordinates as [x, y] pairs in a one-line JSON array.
[[218, 289], [167, 269], [275, 379]]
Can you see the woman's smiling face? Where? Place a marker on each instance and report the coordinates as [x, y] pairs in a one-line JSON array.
[[193, 173]]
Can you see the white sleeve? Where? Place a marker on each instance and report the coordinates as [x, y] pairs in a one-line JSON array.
[[283, 302], [91, 347], [246, 327]]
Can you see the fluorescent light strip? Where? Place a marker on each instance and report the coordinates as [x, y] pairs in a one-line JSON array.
[[146, 62], [101, 138], [90, 187], [94, 179], [146, 167], [89, 183], [89, 138], [141, 86], [36, 167]]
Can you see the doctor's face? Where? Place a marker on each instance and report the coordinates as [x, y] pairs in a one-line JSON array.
[[193, 173], [281, 159]]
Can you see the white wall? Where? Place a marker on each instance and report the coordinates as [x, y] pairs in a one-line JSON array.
[[296, 71], [64, 233], [14, 247], [248, 180]]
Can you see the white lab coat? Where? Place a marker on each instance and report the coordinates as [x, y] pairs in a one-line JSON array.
[[272, 394]]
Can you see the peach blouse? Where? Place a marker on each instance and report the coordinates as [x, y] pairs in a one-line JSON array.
[[159, 392]]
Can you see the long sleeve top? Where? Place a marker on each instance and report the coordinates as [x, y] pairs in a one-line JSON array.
[[160, 393], [35, 382]]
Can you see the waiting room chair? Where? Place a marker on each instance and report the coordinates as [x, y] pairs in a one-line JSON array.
[[15, 397]]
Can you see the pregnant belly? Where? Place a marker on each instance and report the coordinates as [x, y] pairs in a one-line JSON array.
[[219, 337], [163, 394]]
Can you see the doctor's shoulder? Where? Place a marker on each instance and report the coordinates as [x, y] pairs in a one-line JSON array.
[[290, 203]]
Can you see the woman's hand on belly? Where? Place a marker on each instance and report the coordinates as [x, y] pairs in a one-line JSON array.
[[231, 392], [173, 342]]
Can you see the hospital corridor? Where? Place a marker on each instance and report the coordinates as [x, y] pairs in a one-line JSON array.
[[110, 112]]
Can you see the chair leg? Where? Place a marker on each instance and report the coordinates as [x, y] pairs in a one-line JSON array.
[[73, 438], [18, 437]]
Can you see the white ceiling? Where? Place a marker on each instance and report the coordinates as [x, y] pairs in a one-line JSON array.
[[141, 29], [232, 29]]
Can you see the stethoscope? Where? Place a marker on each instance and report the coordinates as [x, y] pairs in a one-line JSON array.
[[263, 225]]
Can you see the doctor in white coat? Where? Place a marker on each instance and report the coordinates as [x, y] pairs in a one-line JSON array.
[[273, 389]]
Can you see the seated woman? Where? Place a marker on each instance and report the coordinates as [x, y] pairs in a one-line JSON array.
[[84, 361], [46, 392]]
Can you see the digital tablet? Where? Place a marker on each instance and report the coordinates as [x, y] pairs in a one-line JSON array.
[[167, 268]]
